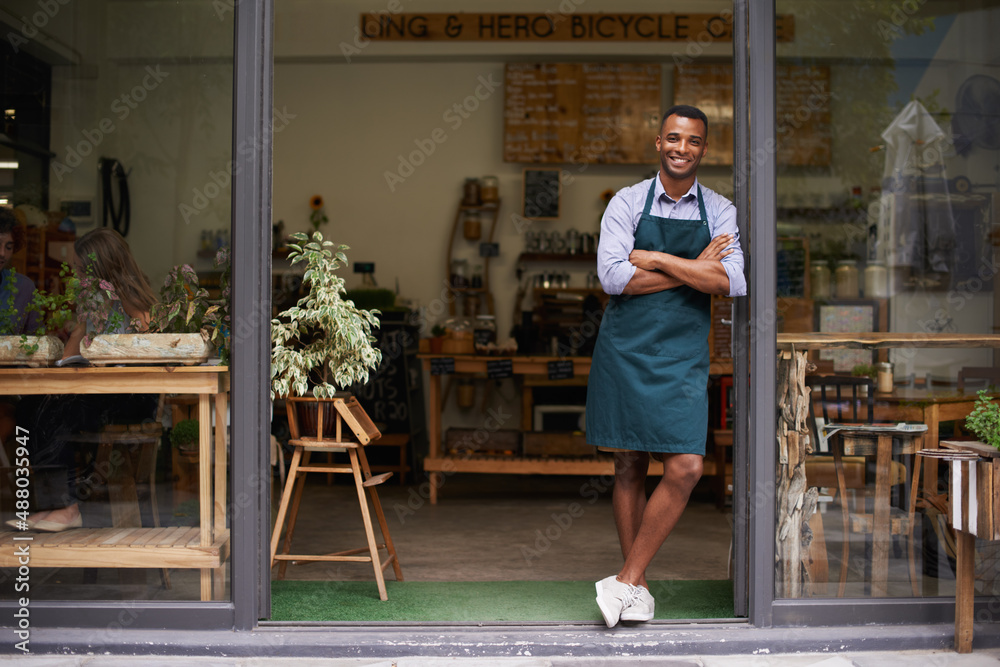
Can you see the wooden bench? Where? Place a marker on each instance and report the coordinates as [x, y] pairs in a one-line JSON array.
[[166, 547]]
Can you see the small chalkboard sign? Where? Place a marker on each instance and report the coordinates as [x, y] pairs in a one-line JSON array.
[[561, 369], [443, 366], [498, 369], [541, 193], [489, 249], [793, 267]]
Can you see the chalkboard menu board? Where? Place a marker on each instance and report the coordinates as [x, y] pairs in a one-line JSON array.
[[803, 110], [388, 396], [793, 267], [581, 113], [541, 193]]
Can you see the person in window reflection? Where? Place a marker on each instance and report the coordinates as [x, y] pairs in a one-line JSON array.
[[16, 290], [61, 477], [667, 244]]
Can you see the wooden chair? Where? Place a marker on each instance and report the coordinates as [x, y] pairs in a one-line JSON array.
[[850, 400], [352, 430], [990, 374]]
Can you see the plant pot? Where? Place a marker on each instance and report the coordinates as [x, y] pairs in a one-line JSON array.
[[147, 348], [436, 344], [49, 350], [307, 415], [188, 448]]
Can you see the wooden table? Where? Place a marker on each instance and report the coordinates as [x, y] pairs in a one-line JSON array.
[[204, 547], [929, 407]]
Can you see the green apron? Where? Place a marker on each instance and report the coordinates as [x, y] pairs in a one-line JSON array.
[[648, 386]]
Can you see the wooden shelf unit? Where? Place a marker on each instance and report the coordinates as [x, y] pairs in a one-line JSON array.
[[491, 212], [550, 465]]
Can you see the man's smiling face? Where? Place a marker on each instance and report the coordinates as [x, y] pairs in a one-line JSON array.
[[681, 144]]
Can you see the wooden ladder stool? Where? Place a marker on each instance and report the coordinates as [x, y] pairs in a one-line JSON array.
[[359, 431]]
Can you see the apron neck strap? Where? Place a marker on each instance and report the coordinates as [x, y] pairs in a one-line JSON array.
[[649, 196], [701, 206], [652, 189]]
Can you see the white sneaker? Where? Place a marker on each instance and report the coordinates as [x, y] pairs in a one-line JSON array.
[[642, 608], [613, 597]]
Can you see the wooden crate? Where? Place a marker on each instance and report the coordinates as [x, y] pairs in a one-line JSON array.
[[469, 441], [544, 443]]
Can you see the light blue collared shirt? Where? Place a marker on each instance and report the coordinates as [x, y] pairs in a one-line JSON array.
[[621, 219]]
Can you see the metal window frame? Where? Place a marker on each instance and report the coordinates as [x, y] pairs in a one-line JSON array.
[[760, 164]]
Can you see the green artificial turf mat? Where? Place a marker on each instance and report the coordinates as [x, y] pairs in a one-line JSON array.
[[483, 601]]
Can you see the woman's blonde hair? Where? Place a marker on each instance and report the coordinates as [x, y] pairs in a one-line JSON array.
[[106, 254]]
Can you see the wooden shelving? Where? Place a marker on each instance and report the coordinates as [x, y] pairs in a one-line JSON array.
[[557, 257], [490, 213]]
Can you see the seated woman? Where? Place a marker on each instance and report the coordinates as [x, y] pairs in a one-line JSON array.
[[103, 255]]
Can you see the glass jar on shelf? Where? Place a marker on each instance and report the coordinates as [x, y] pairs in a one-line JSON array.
[[471, 194], [489, 190], [473, 227], [459, 272], [486, 330], [819, 279], [846, 277], [876, 281]]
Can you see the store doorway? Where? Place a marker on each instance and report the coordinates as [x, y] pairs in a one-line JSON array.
[[391, 171]]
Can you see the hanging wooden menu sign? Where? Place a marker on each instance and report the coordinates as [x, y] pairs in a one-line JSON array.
[[802, 113], [581, 113]]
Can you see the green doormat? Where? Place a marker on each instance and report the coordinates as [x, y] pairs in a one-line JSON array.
[[483, 601]]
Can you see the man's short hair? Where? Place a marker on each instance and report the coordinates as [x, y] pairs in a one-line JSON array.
[[685, 111]]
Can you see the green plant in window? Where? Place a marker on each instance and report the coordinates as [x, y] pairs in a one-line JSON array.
[[324, 341], [185, 434], [865, 371], [984, 420], [186, 307]]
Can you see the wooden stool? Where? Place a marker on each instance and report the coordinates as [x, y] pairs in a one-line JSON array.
[[359, 432]]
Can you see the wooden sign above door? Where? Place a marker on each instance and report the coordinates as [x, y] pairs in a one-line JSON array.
[[556, 27]]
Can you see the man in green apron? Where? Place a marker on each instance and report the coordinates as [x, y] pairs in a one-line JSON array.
[[667, 244]]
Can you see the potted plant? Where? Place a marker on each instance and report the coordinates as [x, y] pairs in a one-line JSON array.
[[46, 314], [184, 325], [437, 338], [185, 436], [324, 342]]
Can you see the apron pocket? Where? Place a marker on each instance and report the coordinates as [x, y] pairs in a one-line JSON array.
[[659, 329]]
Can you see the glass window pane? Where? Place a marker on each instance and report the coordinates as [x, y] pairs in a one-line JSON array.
[[115, 164], [887, 192]]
